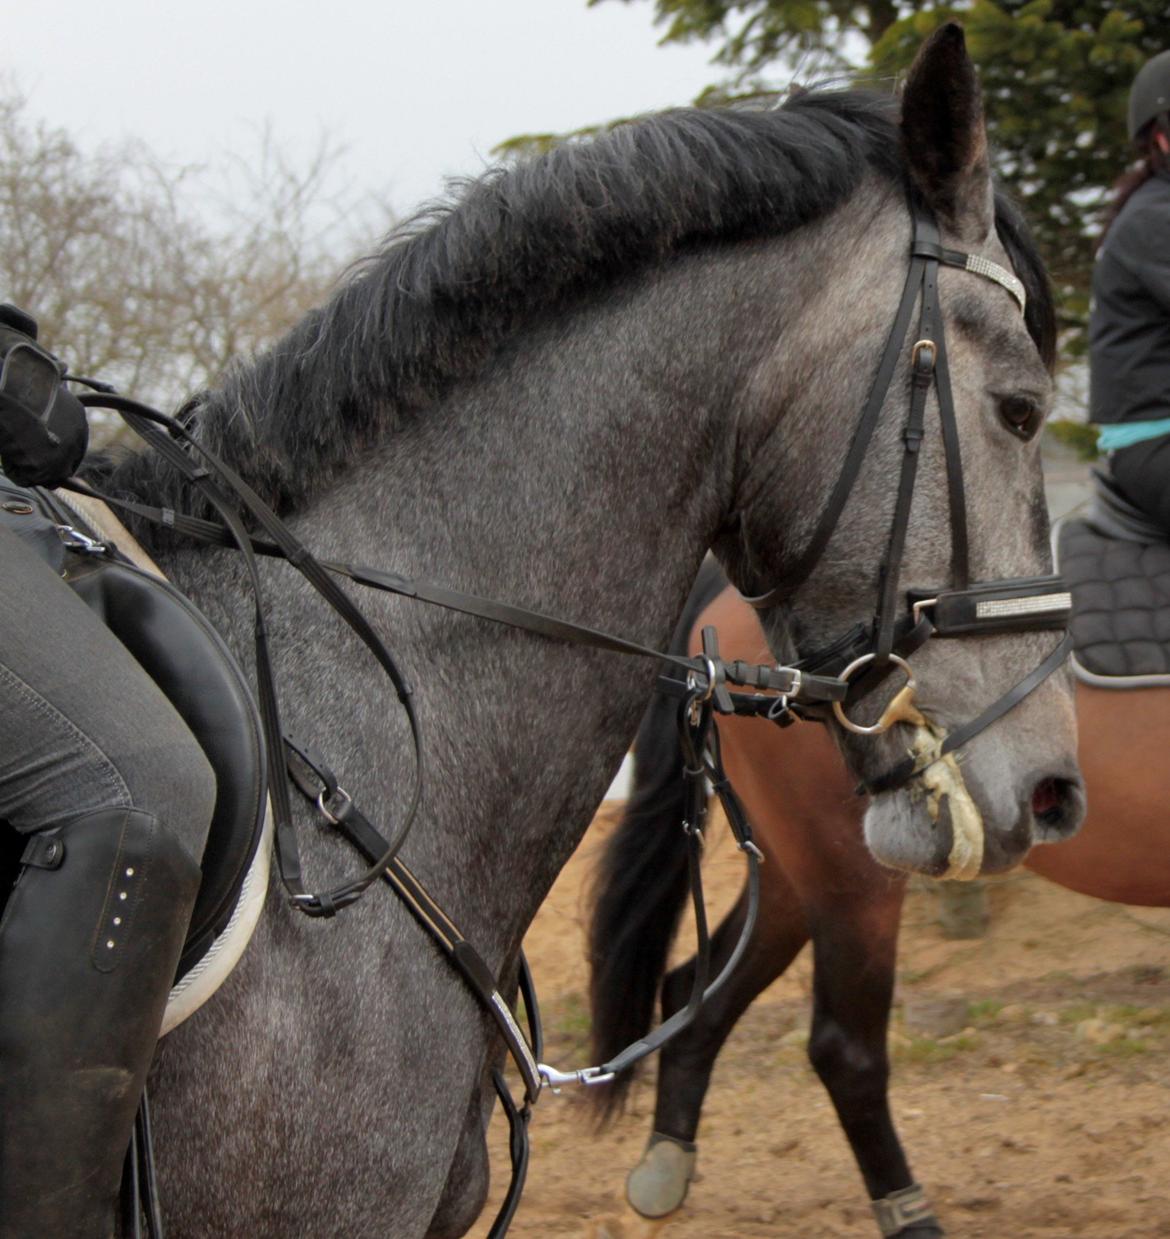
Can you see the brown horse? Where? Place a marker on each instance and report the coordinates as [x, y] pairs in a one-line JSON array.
[[820, 883]]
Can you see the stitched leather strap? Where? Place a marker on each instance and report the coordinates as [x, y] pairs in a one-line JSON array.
[[146, 421], [806, 686], [851, 469], [922, 376]]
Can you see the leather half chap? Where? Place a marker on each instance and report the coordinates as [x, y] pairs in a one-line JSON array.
[[89, 942]]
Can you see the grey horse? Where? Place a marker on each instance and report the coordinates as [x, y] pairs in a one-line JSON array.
[[560, 390]]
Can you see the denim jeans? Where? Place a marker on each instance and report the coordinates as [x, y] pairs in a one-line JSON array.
[[82, 726]]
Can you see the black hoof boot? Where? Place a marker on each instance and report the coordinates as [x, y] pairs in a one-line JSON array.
[[89, 942]]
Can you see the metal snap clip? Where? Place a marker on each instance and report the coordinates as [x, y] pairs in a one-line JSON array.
[[75, 540]]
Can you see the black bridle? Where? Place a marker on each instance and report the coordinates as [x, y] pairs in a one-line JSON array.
[[863, 658]]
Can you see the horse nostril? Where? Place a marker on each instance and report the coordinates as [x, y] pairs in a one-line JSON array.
[[1057, 804]]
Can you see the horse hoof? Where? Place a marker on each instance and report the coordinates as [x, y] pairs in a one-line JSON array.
[[658, 1183]]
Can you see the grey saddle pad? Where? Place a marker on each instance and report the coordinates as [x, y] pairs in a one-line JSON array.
[[1121, 605]]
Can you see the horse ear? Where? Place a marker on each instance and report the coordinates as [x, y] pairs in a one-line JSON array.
[[944, 137]]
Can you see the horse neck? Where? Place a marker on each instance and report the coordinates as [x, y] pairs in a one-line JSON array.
[[584, 475], [595, 450]]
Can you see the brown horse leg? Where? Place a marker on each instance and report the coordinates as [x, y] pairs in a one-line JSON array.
[[658, 1184], [684, 1069], [854, 952]]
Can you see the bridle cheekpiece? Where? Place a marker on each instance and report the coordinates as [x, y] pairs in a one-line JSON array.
[[864, 657]]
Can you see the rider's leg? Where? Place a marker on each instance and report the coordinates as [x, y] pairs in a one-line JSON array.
[[1143, 473], [114, 797]]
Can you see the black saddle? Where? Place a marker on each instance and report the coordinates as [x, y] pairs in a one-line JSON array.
[[184, 655], [1117, 566]]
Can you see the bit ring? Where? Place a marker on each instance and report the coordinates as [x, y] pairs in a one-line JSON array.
[[892, 713]]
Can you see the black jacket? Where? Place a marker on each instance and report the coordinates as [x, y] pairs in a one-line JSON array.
[[1129, 320]]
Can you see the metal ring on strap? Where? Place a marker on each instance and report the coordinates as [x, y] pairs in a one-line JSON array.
[[893, 713], [712, 674]]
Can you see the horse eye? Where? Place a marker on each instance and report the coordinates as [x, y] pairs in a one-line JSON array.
[[1021, 415]]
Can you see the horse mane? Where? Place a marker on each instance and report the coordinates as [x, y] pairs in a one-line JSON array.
[[451, 284]]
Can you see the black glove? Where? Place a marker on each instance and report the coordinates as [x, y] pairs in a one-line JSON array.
[[43, 431]]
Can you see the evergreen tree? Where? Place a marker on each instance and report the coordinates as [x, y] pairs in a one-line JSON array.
[[1055, 73]]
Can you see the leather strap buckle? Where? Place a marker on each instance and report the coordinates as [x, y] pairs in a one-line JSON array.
[[923, 358]]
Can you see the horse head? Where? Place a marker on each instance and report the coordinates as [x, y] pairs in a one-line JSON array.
[[966, 516]]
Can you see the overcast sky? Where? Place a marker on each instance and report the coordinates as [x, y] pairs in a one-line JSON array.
[[414, 90]]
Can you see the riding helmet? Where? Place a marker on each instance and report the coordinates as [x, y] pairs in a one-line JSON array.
[[1149, 96]]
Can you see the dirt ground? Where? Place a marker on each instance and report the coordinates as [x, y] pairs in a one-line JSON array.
[[1046, 1114]]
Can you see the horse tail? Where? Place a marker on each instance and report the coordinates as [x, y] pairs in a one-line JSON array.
[[641, 883]]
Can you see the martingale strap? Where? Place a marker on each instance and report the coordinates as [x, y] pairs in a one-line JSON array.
[[702, 762], [146, 421], [317, 783]]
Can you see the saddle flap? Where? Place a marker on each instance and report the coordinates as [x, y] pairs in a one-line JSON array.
[[188, 660]]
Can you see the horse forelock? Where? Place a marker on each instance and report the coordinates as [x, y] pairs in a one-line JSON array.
[[455, 281]]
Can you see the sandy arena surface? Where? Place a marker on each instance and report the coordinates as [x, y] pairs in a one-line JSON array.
[[1047, 1115]]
